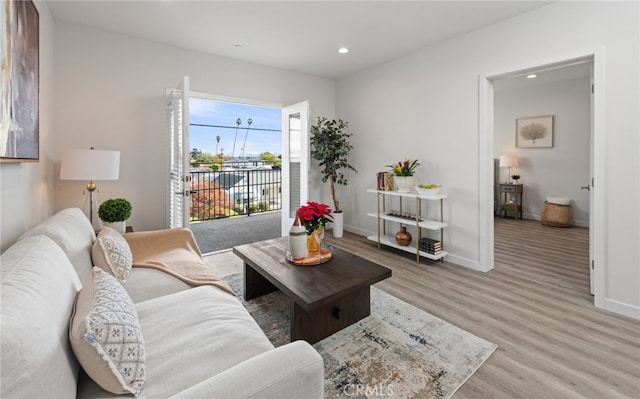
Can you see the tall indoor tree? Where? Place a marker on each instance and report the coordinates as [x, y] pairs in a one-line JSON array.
[[330, 147]]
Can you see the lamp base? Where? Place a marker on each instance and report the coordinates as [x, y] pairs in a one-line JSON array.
[[93, 210]]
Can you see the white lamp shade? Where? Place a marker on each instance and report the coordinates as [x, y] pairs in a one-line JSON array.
[[81, 164], [508, 161]]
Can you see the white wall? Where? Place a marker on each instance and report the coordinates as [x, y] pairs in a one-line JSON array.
[[426, 106], [26, 189], [558, 171], [110, 93]]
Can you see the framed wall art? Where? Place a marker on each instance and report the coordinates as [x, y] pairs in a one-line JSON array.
[[534, 131], [20, 81]]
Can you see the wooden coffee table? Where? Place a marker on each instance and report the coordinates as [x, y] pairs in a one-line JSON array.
[[323, 299]]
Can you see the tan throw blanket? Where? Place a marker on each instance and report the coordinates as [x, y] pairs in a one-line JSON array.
[[175, 252]]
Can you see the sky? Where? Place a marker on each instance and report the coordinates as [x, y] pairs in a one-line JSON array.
[[209, 112]]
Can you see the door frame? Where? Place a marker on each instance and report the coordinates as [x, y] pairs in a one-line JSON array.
[[284, 171], [178, 132], [302, 108], [598, 161]]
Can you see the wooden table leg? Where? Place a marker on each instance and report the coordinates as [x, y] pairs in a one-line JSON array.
[[319, 323], [255, 284]]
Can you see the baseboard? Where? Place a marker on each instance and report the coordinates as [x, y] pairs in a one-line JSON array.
[[358, 231], [622, 308], [458, 260], [465, 262]]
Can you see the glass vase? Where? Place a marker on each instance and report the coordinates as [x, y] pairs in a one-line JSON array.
[[314, 241]]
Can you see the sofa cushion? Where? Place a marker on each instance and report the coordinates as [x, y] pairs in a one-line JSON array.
[[106, 337], [144, 284], [190, 336], [164, 262], [111, 252], [72, 231], [38, 287]]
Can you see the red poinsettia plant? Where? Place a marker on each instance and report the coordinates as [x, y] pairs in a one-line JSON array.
[[314, 215]]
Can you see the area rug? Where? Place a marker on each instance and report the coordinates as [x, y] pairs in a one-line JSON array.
[[399, 351]]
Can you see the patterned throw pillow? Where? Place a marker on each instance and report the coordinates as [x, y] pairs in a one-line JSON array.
[[105, 335], [111, 252]]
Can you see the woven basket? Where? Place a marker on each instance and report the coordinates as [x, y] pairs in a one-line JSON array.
[[556, 215]]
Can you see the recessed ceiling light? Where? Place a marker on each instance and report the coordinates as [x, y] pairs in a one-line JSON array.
[[533, 75], [343, 50]]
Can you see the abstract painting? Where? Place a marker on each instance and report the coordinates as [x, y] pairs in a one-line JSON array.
[[535, 131], [20, 81]]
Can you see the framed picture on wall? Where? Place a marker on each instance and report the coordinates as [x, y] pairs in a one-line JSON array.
[[534, 131], [20, 82]]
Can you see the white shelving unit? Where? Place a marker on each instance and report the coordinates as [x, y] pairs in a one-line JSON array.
[[382, 238]]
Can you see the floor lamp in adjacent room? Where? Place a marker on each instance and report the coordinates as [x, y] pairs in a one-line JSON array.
[[91, 165]]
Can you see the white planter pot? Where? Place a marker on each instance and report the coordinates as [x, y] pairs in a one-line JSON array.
[[338, 224], [403, 184], [120, 227]]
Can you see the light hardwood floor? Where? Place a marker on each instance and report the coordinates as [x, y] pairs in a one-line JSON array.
[[535, 304]]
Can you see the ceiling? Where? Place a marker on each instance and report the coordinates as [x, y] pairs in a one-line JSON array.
[[545, 75], [300, 36]]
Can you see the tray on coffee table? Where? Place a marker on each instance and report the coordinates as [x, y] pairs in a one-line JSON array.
[[311, 259]]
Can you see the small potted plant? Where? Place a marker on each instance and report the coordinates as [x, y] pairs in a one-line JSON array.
[[330, 147], [114, 212], [403, 174]]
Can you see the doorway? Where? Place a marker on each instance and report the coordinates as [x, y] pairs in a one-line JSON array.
[[487, 86], [253, 189], [235, 171]]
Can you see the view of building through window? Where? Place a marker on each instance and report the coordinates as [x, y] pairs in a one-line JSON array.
[[235, 159]]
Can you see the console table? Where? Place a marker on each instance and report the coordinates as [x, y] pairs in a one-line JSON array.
[[511, 199], [416, 220]]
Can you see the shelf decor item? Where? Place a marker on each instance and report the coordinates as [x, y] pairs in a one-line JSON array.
[[432, 189], [403, 237], [403, 175], [114, 212], [388, 182], [403, 184], [330, 147]]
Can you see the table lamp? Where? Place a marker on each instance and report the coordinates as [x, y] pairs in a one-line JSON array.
[[92, 164], [507, 161]]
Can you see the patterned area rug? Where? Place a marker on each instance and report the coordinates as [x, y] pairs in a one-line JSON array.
[[397, 352]]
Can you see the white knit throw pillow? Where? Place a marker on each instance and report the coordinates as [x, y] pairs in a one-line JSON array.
[[111, 252], [105, 335]]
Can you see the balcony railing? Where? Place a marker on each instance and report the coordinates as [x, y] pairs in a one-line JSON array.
[[216, 195]]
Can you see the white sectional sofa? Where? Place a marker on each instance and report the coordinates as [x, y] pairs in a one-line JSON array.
[[199, 342]]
